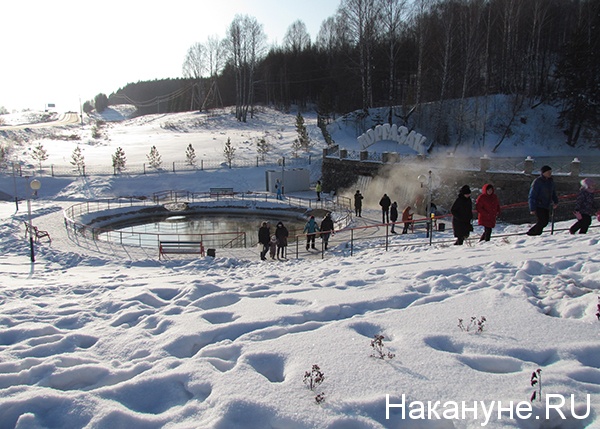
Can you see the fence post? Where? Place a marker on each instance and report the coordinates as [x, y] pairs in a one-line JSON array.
[[528, 169], [173, 166], [575, 167]]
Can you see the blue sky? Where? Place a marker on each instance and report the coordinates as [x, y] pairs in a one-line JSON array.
[[64, 51]]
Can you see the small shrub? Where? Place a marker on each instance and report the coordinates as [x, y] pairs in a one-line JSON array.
[[379, 349], [536, 382], [474, 323], [314, 378]]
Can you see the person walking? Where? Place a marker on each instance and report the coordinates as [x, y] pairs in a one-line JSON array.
[[358, 203], [488, 209], [407, 217], [318, 189], [327, 229], [542, 198], [393, 216], [584, 207], [385, 204], [310, 229], [264, 238], [282, 234], [462, 215]]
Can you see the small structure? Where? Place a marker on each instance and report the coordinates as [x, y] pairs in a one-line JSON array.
[[395, 133]]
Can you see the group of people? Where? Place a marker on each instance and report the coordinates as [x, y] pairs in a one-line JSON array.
[[275, 244], [542, 199], [312, 230]]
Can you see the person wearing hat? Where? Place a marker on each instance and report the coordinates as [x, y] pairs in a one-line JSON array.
[[462, 215], [327, 229], [488, 208], [264, 238], [584, 207], [542, 197]]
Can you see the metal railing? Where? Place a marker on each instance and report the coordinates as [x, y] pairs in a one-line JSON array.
[[80, 218]]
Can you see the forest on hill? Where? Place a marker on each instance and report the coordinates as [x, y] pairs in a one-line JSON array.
[[375, 53]]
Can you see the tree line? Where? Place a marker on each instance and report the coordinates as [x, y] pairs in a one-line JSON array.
[[398, 53]]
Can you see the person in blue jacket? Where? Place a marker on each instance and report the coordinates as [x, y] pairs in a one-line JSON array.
[[311, 228], [542, 198]]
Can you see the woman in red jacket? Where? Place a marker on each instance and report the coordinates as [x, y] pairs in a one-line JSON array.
[[488, 208]]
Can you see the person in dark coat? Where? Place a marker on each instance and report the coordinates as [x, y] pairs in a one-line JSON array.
[[358, 203], [542, 197], [264, 238], [385, 204], [393, 215], [584, 207], [282, 234], [488, 209], [462, 215], [326, 229]]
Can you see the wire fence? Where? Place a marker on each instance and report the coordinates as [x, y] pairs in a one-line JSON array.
[[55, 170]]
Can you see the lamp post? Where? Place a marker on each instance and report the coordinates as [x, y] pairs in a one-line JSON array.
[[35, 185], [426, 181]]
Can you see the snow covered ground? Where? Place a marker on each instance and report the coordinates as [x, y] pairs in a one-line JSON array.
[[111, 337]]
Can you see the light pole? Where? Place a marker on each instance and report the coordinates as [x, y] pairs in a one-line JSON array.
[[35, 185], [426, 181]]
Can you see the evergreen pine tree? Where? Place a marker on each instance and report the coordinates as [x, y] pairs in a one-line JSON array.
[[190, 155], [39, 154], [119, 159], [296, 147], [78, 160], [263, 147], [303, 138], [154, 158], [229, 152]]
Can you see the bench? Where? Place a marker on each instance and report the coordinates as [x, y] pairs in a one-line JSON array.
[[216, 192], [37, 233], [180, 247]]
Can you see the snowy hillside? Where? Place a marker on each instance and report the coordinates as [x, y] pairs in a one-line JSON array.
[[107, 336]]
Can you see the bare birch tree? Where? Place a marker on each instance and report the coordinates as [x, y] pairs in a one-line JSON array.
[[246, 40], [361, 17], [296, 37], [194, 67]]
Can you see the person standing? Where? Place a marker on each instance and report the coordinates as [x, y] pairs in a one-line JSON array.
[[318, 189], [326, 229], [385, 204], [584, 207], [542, 198], [462, 215], [358, 203], [394, 215], [488, 209], [310, 229], [282, 234], [264, 238], [407, 217]]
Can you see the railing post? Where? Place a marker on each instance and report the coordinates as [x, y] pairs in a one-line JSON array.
[[528, 168]]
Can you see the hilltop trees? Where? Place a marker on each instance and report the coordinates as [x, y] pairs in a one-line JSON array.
[[101, 102]]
